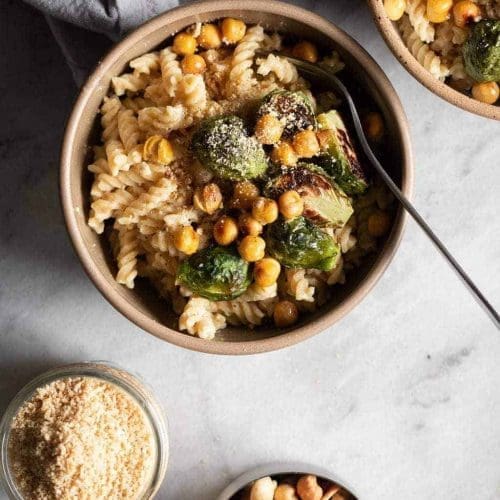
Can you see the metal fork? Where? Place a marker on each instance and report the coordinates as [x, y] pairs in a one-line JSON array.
[[317, 72]]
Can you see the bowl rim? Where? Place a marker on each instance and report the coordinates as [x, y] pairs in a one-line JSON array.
[[274, 469], [303, 332], [392, 37]]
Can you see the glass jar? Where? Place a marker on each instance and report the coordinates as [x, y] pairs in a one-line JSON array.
[[107, 372]]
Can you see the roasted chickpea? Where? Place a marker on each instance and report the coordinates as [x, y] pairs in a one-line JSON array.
[[157, 148], [284, 154], [225, 230], [208, 198], [264, 210], [308, 488], [306, 51], [193, 64], [248, 225], [266, 271], [394, 9], [285, 314], [465, 12], [244, 194], [186, 240], [184, 44], [285, 492], [373, 126], [486, 92], [438, 11], [252, 248], [379, 224], [305, 143], [210, 37], [268, 129], [233, 30], [291, 204]]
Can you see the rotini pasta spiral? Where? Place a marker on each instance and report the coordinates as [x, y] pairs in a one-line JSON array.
[[297, 285], [130, 82], [158, 193], [421, 51], [146, 64], [109, 117], [127, 257], [285, 71], [128, 128], [198, 319], [171, 72], [243, 313], [416, 15], [117, 156], [163, 120], [193, 94], [106, 207]]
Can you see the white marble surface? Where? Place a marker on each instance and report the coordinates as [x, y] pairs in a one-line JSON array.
[[401, 398]]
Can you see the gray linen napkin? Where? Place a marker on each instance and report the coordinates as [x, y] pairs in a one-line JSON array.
[[85, 29]]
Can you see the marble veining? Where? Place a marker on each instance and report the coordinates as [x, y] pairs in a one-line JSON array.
[[400, 399]]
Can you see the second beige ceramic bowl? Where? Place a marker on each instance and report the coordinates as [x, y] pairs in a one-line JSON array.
[[391, 34], [142, 305]]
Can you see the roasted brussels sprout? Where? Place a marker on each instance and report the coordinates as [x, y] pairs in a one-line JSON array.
[[294, 108], [222, 145], [325, 204], [340, 159], [299, 243], [216, 273], [481, 51]]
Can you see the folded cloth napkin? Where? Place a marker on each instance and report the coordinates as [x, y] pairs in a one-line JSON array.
[[85, 29]]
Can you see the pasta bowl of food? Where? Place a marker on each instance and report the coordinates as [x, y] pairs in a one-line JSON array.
[[214, 196], [450, 46]]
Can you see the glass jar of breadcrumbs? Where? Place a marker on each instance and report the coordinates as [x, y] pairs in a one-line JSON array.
[[88, 430]]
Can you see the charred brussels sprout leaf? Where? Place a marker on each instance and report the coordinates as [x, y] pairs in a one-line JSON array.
[[481, 51], [340, 160], [294, 108], [216, 273], [299, 243], [325, 204], [222, 145]]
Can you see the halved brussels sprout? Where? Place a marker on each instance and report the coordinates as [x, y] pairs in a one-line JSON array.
[[481, 51], [299, 243], [294, 108], [222, 145], [216, 273], [340, 159], [325, 203]]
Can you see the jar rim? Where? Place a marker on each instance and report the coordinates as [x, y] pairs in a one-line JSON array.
[[132, 384]]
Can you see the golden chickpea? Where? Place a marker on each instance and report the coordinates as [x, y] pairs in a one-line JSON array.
[[248, 225], [438, 11], [394, 9], [373, 126], [268, 129], [210, 37], [225, 230], [291, 204], [184, 44], [285, 492], [324, 138], [487, 92], [308, 487], [285, 314], [208, 198], [252, 248], [264, 210], [306, 51], [305, 143], [284, 154], [233, 30], [465, 12], [266, 271], [186, 240], [193, 64], [244, 194], [379, 224]]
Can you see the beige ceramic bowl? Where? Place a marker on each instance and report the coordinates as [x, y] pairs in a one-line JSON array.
[[390, 32], [141, 305]]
